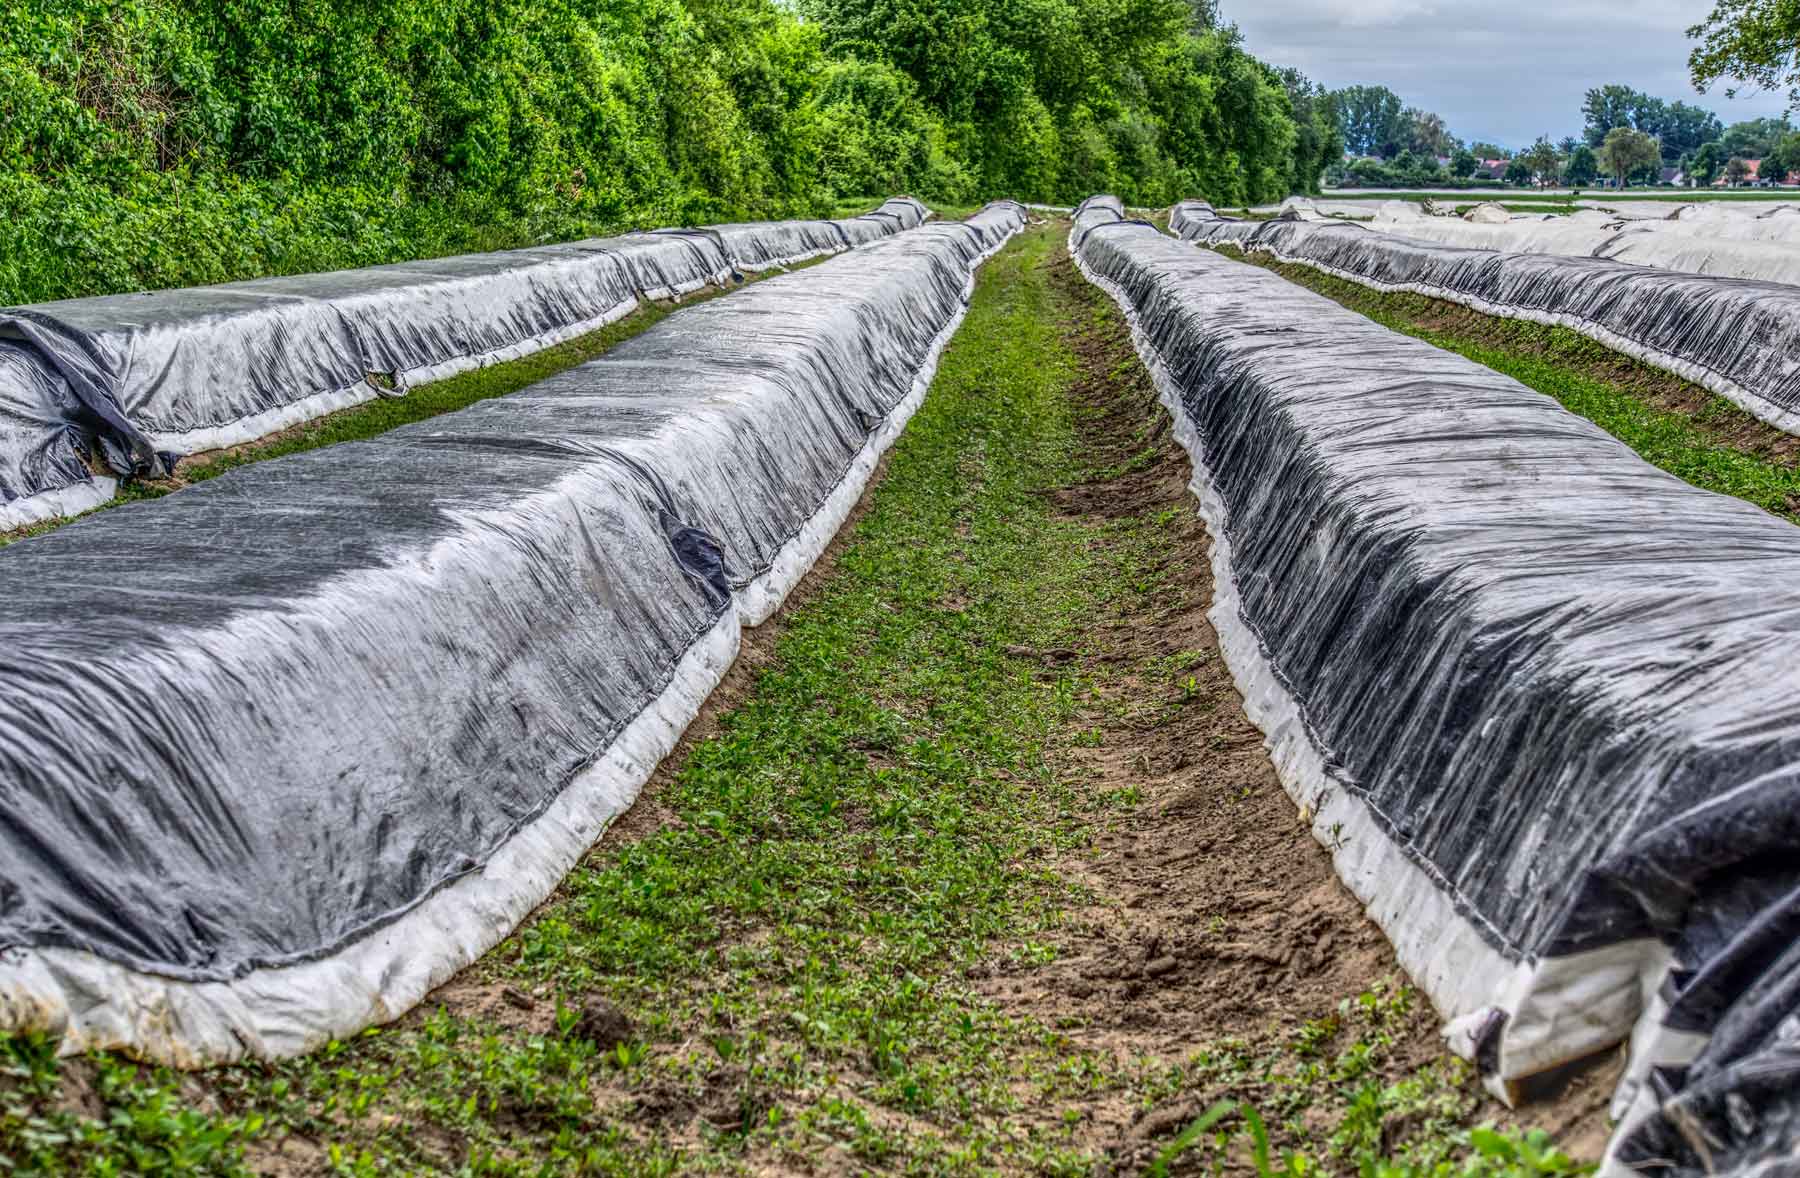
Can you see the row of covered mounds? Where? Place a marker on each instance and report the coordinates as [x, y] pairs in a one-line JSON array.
[[1536, 696], [1733, 336], [1092, 213], [280, 753], [133, 382], [1692, 239]]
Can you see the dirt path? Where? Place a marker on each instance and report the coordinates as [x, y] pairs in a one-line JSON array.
[[974, 866]]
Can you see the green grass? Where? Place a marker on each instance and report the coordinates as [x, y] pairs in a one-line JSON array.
[[1560, 362], [878, 819]]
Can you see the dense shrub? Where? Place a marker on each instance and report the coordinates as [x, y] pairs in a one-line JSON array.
[[149, 143]]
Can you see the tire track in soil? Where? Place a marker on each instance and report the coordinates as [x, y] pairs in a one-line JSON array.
[[1216, 915]]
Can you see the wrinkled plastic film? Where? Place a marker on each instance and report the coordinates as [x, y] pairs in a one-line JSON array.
[[135, 381], [346, 717], [1536, 694], [1734, 337]]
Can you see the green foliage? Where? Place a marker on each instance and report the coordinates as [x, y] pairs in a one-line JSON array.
[[1373, 119], [1677, 127], [1058, 99], [1583, 166], [152, 143], [1627, 154], [1752, 137], [1781, 158], [1752, 41]]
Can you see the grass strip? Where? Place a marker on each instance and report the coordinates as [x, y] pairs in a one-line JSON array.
[[783, 974], [1692, 433]]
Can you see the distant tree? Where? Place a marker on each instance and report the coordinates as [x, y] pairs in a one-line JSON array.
[[1517, 172], [1487, 151], [1781, 159], [1541, 159], [1684, 128], [1426, 134], [1319, 143], [1463, 163], [1752, 138], [1625, 152], [1753, 41], [1567, 145], [1582, 167], [1703, 169], [1735, 171], [1371, 119], [1677, 126]]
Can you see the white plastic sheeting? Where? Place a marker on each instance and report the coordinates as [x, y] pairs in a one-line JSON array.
[[339, 722], [1535, 695], [1737, 338], [1662, 244], [136, 381]]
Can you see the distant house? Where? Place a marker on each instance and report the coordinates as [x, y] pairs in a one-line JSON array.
[[1672, 176], [1490, 169], [1753, 177]]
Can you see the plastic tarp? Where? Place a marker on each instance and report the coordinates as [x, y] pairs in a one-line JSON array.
[[1091, 213], [766, 245], [339, 721], [1594, 234], [135, 381], [1735, 337], [1536, 696]]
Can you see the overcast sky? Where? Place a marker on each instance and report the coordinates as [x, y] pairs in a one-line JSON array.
[[1505, 71]]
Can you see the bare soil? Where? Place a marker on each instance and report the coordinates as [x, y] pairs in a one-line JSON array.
[[1216, 915]]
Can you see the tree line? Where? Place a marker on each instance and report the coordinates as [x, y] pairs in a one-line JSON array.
[[1627, 135], [150, 143]]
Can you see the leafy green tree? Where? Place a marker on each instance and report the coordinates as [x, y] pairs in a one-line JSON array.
[[1319, 141], [1582, 167], [1736, 171], [1704, 168], [1626, 153], [1517, 172], [1425, 134], [1372, 120], [1463, 164], [1488, 151], [1542, 161], [1752, 41], [1752, 138], [1781, 159], [1677, 126]]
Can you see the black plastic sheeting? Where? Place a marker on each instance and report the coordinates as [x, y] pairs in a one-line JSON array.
[[1735, 336], [1559, 680], [137, 380], [249, 723]]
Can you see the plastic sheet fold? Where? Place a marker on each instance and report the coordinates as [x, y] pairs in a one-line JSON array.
[[1735, 337], [1537, 697], [1714, 244], [342, 719], [130, 383]]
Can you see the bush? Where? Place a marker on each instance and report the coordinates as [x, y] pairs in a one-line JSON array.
[[148, 143]]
